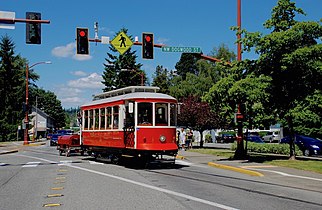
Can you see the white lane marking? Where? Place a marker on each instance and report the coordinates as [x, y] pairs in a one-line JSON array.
[[95, 163], [289, 175], [158, 189], [182, 195], [31, 164], [3, 164], [182, 162], [65, 162]]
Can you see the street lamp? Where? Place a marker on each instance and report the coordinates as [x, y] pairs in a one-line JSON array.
[[137, 72], [27, 86]]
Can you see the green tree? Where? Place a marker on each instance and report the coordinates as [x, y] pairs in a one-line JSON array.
[[291, 56], [187, 64], [12, 89], [48, 102], [122, 70], [161, 79]]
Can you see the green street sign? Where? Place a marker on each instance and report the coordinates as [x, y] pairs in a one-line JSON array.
[[181, 49]]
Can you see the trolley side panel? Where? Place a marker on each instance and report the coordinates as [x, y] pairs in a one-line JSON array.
[[103, 138]]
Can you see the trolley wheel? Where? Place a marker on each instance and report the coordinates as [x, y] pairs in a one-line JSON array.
[[60, 152]]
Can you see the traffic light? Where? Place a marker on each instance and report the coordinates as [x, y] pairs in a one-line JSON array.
[[33, 30], [82, 41], [147, 45]]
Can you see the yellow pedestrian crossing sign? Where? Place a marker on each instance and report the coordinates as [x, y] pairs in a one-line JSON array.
[[122, 42]]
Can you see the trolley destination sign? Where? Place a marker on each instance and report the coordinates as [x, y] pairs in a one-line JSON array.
[[181, 49]]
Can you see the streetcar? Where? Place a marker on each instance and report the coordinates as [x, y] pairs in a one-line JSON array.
[[132, 122]]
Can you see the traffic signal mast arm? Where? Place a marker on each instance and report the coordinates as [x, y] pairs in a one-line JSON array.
[[12, 21], [205, 57]]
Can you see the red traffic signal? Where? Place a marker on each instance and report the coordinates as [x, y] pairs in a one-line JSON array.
[[147, 46], [82, 44]]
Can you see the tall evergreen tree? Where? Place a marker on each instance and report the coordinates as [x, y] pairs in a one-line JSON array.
[[12, 89], [122, 70]]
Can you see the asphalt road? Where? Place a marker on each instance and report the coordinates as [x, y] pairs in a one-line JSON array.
[[38, 178]]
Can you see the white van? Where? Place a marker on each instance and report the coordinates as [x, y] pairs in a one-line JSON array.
[[272, 136]]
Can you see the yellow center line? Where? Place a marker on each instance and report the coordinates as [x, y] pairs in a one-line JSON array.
[[51, 204], [57, 188], [54, 195], [61, 177]]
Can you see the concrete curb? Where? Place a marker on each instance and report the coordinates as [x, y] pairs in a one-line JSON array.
[[236, 169], [34, 144]]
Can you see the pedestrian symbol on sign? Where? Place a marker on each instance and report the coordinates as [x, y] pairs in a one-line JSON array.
[[122, 42]]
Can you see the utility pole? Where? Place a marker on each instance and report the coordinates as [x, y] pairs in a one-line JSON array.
[[239, 153]]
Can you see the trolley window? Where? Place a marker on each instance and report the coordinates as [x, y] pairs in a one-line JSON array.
[[161, 114], [115, 117], [97, 118], [109, 117], [102, 114], [85, 119], [173, 114], [91, 119], [144, 113]]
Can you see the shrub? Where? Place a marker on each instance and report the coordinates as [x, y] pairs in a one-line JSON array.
[[282, 149]]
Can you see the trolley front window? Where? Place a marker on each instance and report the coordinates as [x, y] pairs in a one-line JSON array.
[[144, 113], [161, 114]]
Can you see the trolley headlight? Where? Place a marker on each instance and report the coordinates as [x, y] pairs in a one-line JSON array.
[[162, 138]]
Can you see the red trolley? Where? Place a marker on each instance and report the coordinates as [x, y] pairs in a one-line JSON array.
[[135, 121]]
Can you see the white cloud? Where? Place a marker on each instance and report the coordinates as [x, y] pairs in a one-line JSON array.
[[82, 57], [162, 40], [79, 73], [69, 51], [93, 81], [64, 51]]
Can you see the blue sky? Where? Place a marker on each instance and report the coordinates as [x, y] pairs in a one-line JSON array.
[[204, 23]]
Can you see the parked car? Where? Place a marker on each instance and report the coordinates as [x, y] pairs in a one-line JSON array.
[[272, 136], [255, 139], [227, 138], [308, 145]]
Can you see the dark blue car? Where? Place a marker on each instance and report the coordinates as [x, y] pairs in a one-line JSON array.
[[308, 145], [255, 139]]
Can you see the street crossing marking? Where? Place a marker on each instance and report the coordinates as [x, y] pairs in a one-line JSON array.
[[95, 163], [31, 164], [65, 162], [182, 162]]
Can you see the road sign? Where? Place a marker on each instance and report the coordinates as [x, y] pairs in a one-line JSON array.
[[181, 49], [122, 42], [10, 16]]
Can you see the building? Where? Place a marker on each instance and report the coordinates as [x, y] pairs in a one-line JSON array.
[[40, 123]]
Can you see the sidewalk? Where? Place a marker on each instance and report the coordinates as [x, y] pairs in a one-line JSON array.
[[15, 146]]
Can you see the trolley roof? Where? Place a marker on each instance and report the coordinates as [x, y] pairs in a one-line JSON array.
[[122, 91], [127, 93]]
